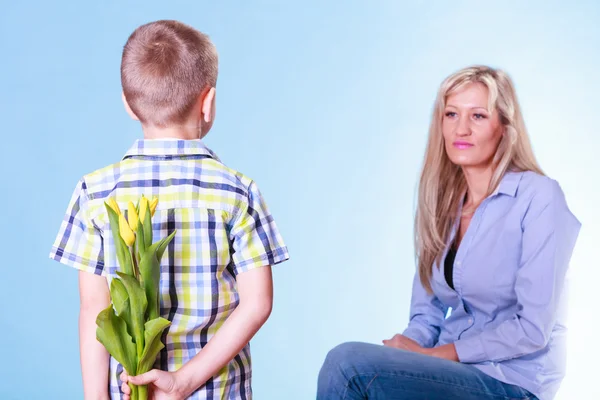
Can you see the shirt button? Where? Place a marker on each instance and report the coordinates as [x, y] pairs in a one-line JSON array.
[[458, 263], [470, 320]]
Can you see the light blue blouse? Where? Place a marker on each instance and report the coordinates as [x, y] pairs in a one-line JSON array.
[[508, 308]]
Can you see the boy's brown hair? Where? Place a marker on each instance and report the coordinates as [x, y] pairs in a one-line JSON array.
[[165, 67]]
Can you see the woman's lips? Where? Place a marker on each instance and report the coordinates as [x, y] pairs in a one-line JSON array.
[[462, 145]]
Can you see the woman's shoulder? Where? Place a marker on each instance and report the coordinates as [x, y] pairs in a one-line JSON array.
[[538, 187], [539, 192]]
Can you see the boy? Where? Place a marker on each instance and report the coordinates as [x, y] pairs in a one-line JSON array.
[[216, 286]]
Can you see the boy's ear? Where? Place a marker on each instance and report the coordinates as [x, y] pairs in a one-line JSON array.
[[208, 106], [128, 109]]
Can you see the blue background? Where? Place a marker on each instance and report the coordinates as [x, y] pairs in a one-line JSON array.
[[326, 105]]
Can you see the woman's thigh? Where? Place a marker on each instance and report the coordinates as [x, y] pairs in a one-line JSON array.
[[367, 371]]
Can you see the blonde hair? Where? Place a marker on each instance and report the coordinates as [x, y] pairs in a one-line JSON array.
[[442, 184]]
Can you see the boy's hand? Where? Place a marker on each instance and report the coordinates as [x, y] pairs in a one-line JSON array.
[[255, 288], [162, 385]]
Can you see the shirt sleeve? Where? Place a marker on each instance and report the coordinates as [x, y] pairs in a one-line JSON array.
[[79, 242], [256, 241], [549, 235], [427, 315]]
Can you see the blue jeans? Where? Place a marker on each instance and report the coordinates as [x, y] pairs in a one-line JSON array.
[[359, 371]]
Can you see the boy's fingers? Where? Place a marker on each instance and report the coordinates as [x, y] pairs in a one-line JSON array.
[[144, 379], [125, 388], [123, 376]]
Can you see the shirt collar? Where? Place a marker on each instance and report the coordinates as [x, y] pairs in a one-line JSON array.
[[509, 183], [169, 148]]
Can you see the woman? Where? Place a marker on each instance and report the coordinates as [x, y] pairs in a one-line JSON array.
[[493, 238]]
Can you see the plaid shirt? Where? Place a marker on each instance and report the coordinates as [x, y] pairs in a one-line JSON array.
[[223, 228]]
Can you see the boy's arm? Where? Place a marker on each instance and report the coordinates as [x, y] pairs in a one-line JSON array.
[[256, 245], [255, 288], [94, 297]]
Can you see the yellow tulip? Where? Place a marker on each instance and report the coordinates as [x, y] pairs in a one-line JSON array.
[[143, 208], [112, 203], [132, 217], [125, 231], [153, 205]]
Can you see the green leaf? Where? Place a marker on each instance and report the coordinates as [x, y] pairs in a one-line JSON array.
[[139, 240], [147, 227], [120, 300], [123, 253], [137, 304], [162, 245], [119, 296], [150, 273], [112, 333], [153, 331]]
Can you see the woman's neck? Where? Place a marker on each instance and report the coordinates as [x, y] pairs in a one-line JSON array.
[[478, 184]]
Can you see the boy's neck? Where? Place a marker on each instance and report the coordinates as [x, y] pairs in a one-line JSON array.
[[173, 132]]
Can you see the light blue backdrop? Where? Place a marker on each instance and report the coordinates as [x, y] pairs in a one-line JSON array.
[[326, 105]]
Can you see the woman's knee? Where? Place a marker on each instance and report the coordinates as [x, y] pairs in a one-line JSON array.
[[347, 358], [352, 356], [344, 353], [339, 366]]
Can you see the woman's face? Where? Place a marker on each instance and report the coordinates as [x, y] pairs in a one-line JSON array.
[[471, 133]]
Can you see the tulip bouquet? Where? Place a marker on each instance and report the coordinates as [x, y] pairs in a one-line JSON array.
[[131, 327]]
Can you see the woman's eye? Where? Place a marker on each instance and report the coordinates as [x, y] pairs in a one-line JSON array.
[[479, 116], [450, 114]]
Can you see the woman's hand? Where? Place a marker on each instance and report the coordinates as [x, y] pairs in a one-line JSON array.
[[447, 351], [404, 343]]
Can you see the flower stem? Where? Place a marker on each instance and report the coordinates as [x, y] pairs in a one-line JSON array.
[[136, 271], [142, 392], [134, 392]]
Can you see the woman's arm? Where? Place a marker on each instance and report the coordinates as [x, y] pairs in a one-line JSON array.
[[427, 314], [549, 235]]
